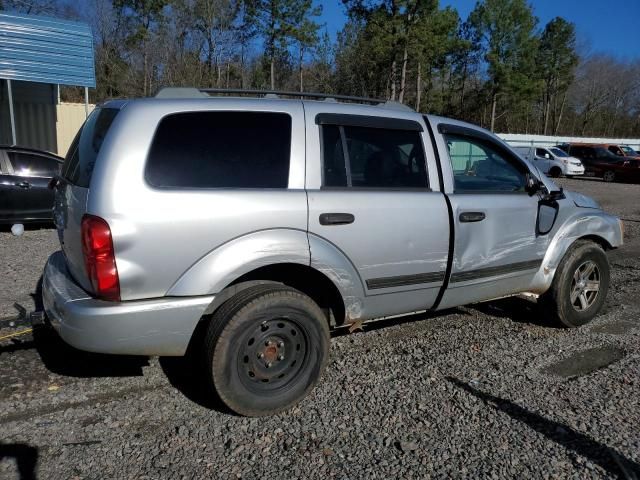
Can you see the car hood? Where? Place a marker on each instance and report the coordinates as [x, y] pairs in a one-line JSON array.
[[582, 200]]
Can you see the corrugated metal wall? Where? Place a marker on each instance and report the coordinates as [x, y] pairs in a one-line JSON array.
[[47, 50], [35, 114]]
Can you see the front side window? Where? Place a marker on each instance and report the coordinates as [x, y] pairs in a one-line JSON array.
[[541, 152], [628, 150], [480, 167], [27, 165], [221, 150], [375, 158]]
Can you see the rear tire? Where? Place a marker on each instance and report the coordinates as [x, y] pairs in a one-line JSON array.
[[579, 287], [609, 176], [265, 349]]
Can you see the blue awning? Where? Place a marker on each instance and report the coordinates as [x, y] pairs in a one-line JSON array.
[[47, 50]]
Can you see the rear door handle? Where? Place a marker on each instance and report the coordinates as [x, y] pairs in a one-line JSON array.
[[467, 217], [336, 218], [23, 184]]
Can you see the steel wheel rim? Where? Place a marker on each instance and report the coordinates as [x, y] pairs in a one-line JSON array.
[[585, 286], [273, 354]]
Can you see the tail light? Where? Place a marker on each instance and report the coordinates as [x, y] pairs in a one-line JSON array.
[[99, 258]]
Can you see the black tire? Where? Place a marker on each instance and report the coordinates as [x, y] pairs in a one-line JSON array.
[[560, 303], [265, 349], [609, 176], [555, 172]]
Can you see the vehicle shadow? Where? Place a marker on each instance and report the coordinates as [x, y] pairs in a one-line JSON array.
[[373, 325], [612, 461], [186, 374], [26, 458], [62, 359], [517, 309]]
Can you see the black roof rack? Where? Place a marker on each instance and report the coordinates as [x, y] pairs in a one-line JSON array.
[[187, 92]]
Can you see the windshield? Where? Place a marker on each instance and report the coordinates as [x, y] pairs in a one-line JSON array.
[[558, 153], [82, 154], [627, 150]]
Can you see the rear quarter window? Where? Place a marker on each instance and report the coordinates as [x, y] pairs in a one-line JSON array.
[[83, 152], [221, 150]]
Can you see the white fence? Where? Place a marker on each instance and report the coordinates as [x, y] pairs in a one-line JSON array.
[[523, 139]]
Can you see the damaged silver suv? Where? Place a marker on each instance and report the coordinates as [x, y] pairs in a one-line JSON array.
[[249, 227]]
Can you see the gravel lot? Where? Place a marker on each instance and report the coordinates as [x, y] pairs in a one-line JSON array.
[[491, 390]]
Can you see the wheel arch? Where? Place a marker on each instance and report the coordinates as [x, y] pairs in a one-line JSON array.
[[598, 227], [306, 279]]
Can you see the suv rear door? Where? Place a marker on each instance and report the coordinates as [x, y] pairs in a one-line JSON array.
[[371, 198]]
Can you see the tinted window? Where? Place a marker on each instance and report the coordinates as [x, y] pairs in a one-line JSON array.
[[479, 166], [221, 150], [335, 174], [28, 165], [82, 154], [378, 158], [540, 152]]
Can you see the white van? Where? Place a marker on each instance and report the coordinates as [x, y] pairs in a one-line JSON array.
[[552, 161]]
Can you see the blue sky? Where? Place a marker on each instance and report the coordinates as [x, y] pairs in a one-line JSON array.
[[609, 26]]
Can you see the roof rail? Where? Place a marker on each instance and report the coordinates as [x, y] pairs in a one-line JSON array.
[[187, 92]]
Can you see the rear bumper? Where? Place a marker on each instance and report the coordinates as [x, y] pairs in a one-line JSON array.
[[161, 326]]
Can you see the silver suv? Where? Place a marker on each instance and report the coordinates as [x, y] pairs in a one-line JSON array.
[[247, 228]]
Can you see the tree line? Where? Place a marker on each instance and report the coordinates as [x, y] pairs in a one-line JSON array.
[[499, 67]]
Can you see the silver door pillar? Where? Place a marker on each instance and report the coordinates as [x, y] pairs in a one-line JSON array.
[[11, 114]]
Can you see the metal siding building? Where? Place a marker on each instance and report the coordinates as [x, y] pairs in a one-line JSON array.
[[36, 54]]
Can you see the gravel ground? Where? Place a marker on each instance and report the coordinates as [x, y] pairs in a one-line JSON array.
[[490, 390]]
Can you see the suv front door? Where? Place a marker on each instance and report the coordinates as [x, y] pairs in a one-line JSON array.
[[29, 177], [543, 160], [497, 251]]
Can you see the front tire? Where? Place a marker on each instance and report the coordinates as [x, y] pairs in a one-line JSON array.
[[265, 349], [609, 176], [580, 285]]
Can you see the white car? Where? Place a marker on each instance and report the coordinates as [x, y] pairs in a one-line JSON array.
[[552, 161]]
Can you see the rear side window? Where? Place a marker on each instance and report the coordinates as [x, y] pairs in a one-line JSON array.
[[221, 150], [27, 165], [375, 158], [82, 154]]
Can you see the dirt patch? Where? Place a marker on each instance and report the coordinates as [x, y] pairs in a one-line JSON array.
[[586, 361], [616, 328]]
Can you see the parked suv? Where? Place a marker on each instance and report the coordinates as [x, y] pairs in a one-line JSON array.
[[600, 162], [552, 160], [623, 151], [25, 174], [245, 228]]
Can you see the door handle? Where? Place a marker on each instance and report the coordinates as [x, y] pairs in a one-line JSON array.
[[336, 218], [23, 184], [468, 217]]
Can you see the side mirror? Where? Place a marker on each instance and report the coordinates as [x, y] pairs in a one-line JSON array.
[[547, 215], [547, 156]]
